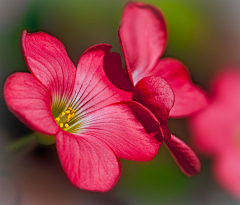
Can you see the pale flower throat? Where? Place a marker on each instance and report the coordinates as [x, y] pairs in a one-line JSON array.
[[69, 119]]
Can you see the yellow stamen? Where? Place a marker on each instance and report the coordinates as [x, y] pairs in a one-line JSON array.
[[65, 117]]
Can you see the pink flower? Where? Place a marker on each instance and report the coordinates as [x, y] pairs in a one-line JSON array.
[[82, 109], [216, 130], [143, 36]]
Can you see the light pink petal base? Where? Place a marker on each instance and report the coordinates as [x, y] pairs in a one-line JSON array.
[[30, 101], [184, 156], [88, 162], [118, 126]]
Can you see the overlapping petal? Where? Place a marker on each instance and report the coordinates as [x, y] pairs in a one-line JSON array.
[[189, 98], [155, 94], [142, 35], [113, 69], [127, 127], [28, 99], [116, 74], [48, 61], [88, 162], [92, 89], [184, 156]]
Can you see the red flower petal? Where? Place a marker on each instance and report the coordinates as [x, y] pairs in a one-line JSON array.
[[48, 61], [155, 94], [184, 156], [88, 162], [189, 98], [30, 101], [92, 89], [142, 35], [118, 126], [227, 171]]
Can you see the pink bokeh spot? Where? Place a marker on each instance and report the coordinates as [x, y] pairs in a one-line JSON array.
[[216, 129]]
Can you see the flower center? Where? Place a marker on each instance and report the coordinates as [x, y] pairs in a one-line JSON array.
[[68, 115], [65, 118]]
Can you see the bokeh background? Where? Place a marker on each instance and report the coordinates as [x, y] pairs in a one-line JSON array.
[[204, 34]]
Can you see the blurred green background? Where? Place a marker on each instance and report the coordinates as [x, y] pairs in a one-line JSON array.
[[204, 34]]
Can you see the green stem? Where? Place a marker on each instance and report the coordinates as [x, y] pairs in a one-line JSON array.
[[18, 143]]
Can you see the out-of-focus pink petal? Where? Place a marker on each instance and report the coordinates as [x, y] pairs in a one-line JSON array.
[[189, 98], [227, 170], [128, 128], [143, 36], [215, 127], [88, 162], [155, 94], [225, 87], [30, 101], [184, 156], [48, 61], [92, 89]]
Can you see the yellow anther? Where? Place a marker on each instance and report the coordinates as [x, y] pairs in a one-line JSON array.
[[65, 117]]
